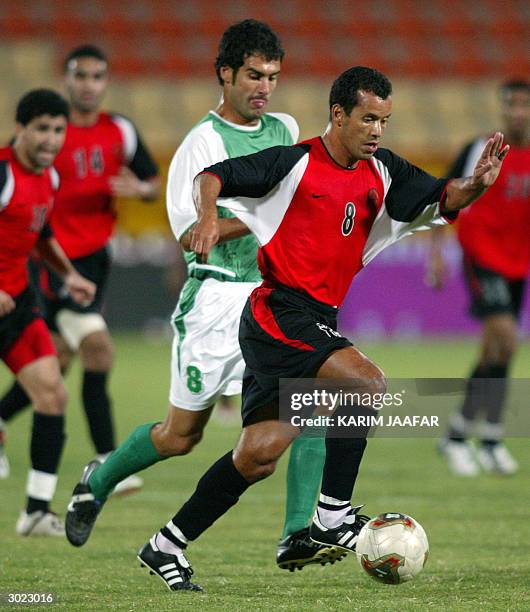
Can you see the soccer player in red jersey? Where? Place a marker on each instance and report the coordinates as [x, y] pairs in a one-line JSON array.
[[28, 183], [321, 210], [248, 66], [103, 157], [495, 238]]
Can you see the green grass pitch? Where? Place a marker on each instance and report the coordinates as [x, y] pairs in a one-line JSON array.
[[479, 530]]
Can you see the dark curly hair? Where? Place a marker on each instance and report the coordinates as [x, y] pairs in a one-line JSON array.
[[248, 37], [344, 89], [84, 51], [39, 102]]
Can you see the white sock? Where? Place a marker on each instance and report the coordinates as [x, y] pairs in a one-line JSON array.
[[491, 431], [167, 546], [41, 485], [460, 425], [331, 511]]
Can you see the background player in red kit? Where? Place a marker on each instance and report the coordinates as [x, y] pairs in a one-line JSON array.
[[321, 210], [28, 183], [103, 156], [495, 238]]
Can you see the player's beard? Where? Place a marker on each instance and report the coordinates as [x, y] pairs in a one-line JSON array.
[[253, 114], [85, 107], [89, 105], [40, 163]]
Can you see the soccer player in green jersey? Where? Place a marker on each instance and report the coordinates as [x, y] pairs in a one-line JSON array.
[[206, 357]]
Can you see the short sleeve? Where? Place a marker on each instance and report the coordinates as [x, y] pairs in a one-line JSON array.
[[290, 123], [198, 150], [7, 183], [137, 156]]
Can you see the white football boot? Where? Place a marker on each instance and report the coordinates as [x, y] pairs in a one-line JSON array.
[[128, 486], [497, 458], [461, 457], [39, 523]]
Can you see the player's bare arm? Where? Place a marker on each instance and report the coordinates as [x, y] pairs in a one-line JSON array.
[[436, 272], [205, 233], [7, 303], [81, 290], [229, 229], [127, 185], [462, 192]]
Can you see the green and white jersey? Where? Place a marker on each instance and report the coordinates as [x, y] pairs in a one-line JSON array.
[[212, 140]]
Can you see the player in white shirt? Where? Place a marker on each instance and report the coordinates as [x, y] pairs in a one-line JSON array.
[[206, 357]]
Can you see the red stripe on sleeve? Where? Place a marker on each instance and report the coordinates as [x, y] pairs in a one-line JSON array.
[[212, 174]]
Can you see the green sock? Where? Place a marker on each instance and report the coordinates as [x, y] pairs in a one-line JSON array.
[[304, 475], [135, 454]]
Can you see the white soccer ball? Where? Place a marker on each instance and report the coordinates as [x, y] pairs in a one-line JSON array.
[[392, 548]]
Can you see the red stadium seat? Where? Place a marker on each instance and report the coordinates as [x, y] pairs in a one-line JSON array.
[[412, 38], [16, 19]]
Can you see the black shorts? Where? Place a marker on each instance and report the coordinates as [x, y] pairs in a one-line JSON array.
[[491, 293], [283, 334], [14, 323], [94, 267]]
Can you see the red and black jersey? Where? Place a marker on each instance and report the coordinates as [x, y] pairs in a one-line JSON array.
[[319, 223], [495, 231], [26, 201], [84, 216]]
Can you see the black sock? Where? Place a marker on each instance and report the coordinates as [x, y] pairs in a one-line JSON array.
[[13, 402], [485, 392], [47, 441], [344, 455], [491, 430], [489, 443], [217, 491], [97, 405], [46, 447], [471, 406], [475, 396], [343, 458], [496, 393], [32, 505]]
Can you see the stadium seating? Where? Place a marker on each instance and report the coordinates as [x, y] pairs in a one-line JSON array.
[[440, 54], [409, 38]]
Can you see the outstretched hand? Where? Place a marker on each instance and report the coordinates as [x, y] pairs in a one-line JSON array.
[[490, 163]]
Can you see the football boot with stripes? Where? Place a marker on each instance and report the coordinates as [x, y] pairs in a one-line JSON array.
[[174, 570], [298, 550], [83, 508], [345, 535]]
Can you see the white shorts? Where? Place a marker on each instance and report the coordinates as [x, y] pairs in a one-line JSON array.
[[206, 360]]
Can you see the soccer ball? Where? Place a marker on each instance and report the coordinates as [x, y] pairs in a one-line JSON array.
[[392, 548]]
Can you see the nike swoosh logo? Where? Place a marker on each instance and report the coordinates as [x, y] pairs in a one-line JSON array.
[[318, 195]]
